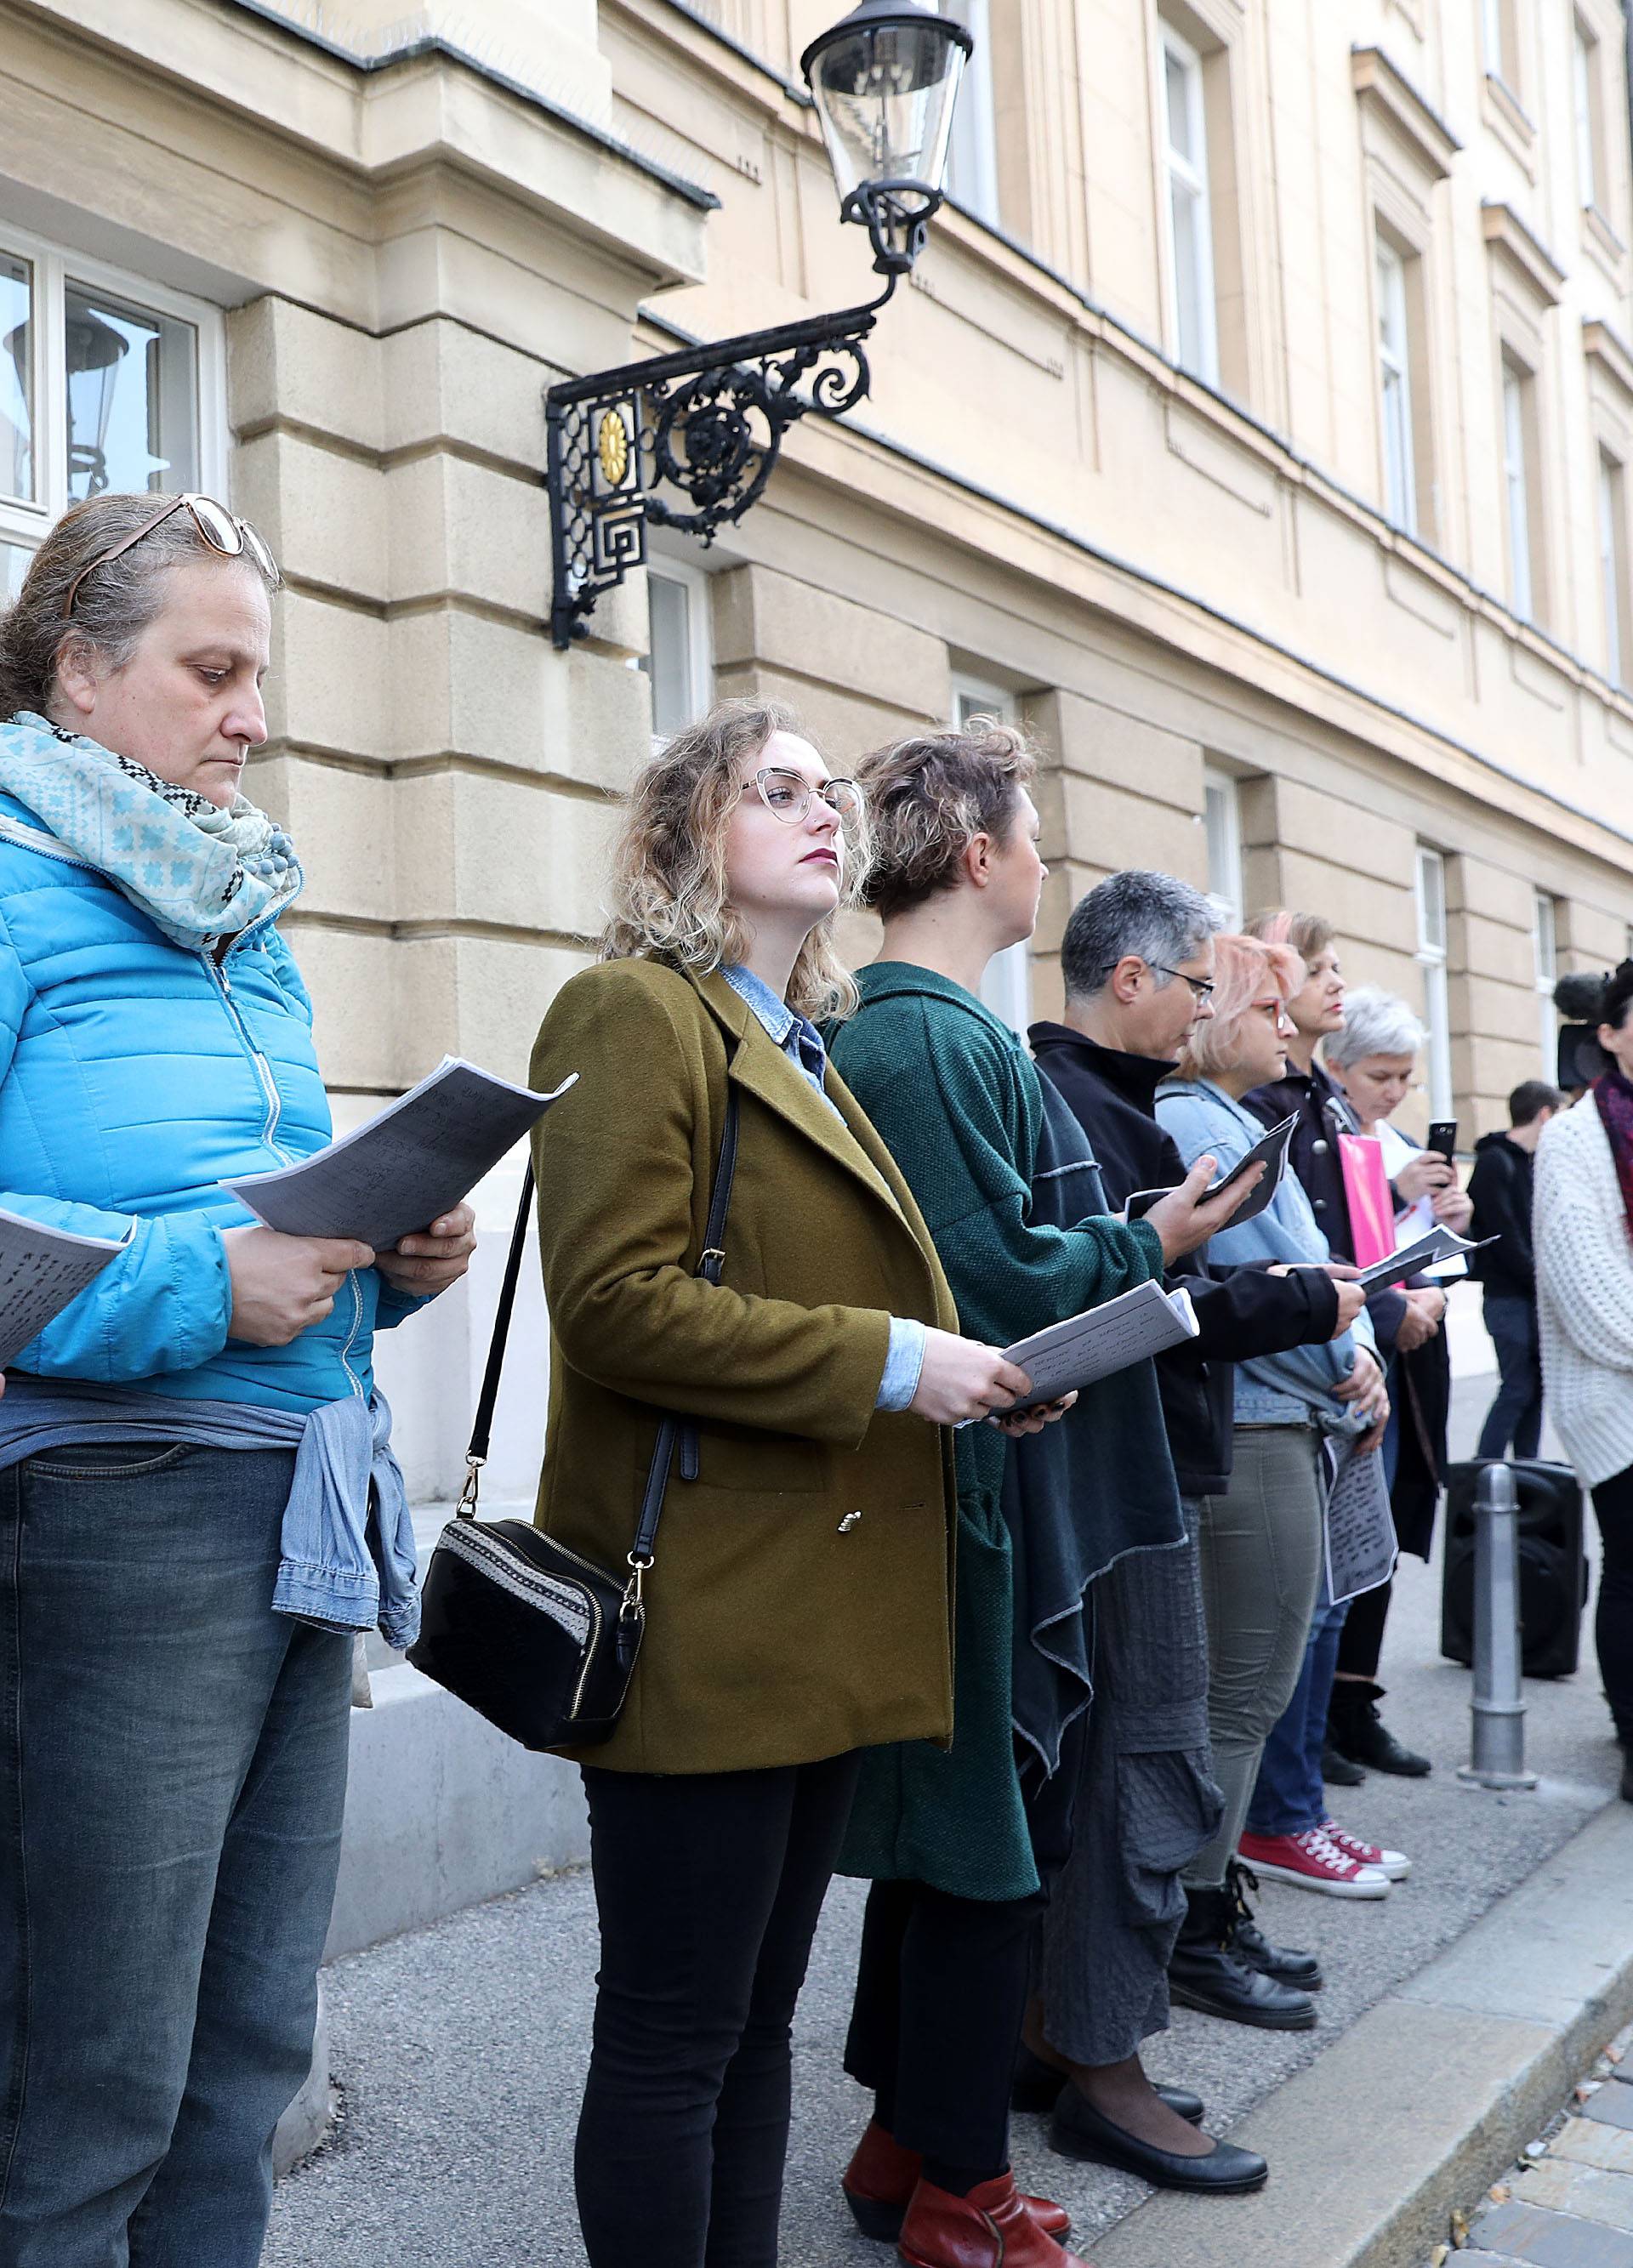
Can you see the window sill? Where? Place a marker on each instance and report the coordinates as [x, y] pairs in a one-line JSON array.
[[1504, 115], [1600, 240]]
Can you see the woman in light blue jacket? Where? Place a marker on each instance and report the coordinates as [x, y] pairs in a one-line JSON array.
[[198, 1504], [1261, 1543]]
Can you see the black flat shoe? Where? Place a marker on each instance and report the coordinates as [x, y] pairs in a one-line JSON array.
[[1337, 1770], [1078, 2131], [1037, 2086]]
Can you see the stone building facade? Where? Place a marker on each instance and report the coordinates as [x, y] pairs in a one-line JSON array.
[[1258, 427]]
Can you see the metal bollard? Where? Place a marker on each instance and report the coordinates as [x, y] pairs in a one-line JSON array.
[[1498, 1707]]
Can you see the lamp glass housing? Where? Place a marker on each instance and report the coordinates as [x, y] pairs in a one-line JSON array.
[[884, 91]]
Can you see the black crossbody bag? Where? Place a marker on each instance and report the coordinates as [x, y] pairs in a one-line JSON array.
[[539, 1641]]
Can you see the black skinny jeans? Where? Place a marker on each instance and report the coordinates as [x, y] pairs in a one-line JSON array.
[[708, 1886], [1613, 1628], [941, 1995]]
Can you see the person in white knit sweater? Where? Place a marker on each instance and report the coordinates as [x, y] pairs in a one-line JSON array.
[[1583, 1232]]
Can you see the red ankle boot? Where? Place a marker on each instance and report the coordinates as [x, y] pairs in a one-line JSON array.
[[882, 2178], [989, 2228]]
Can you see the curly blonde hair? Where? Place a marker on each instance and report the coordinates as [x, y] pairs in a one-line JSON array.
[[669, 900], [928, 796], [1242, 967]]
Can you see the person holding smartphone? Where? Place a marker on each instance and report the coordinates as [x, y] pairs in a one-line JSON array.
[[1374, 1058]]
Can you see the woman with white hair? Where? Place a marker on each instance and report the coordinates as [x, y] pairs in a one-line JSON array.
[[1374, 1059]]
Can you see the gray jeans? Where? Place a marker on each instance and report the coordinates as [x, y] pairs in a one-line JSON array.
[[1261, 1569]]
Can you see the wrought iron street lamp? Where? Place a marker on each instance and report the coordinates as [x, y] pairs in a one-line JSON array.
[[689, 440]]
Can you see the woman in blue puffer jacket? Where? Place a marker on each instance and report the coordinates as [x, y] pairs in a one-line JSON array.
[[198, 1506]]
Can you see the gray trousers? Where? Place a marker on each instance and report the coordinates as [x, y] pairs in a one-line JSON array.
[[1261, 1570], [1145, 1802]]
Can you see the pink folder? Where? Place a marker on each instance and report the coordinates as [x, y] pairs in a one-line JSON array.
[[1366, 1188]]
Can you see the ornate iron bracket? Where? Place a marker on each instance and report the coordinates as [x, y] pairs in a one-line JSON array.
[[705, 424]]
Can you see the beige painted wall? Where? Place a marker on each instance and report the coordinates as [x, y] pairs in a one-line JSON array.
[[410, 243]]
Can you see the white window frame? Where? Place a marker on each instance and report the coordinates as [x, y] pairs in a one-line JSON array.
[[694, 581], [972, 154], [1007, 986], [1494, 38], [55, 267], [1394, 385], [1221, 820], [1187, 177], [1517, 487], [1431, 959], [1584, 70], [1545, 959], [1611, 506]]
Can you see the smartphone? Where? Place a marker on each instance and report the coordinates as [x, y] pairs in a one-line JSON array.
[[1443, 1136]]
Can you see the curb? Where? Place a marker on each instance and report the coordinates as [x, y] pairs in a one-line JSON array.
[[1429, 2095]]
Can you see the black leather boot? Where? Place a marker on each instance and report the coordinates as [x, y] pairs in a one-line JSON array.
[[1254, 1949], [1356, 1731], [1206, 1971], [1336, 1769]]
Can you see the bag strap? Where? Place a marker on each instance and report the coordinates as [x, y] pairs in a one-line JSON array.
[[710, 1261]]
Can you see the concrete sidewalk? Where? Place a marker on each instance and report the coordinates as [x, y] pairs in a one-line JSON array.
[[460, 2049]]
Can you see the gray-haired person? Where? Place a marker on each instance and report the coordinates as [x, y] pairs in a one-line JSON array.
[[1138, 959], [1374, 1059]]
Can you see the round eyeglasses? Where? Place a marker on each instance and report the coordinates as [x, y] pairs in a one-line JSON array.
[[222, 530], [787, 796]]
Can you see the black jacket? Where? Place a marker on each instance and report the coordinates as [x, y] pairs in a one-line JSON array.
[[1323, 1115], [1500, 1186], [1242, 1311]]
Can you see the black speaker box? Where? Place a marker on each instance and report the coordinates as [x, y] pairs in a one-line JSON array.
[[1553, 1568]]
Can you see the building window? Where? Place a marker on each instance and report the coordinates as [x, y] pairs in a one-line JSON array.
[[972, 154], [1222, 816], [1613, 561], [1518, 453], [680, 656], [1590, 131], [1497, 27], [1431, 960], [1545, 954], [106, 383], [1188, 217], [1006, 987], [1394, 378]]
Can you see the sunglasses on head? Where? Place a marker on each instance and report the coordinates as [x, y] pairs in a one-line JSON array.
[[222, 530]]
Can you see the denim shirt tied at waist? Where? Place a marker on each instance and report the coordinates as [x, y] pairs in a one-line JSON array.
[[347, 1556]]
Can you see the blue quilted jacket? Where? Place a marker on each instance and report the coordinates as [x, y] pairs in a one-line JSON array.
[[135, 1075]]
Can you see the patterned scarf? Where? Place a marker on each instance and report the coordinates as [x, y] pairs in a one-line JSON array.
[[1614, 1094], [199, 873]]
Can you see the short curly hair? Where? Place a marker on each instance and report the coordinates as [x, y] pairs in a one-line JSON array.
[[929, 796]]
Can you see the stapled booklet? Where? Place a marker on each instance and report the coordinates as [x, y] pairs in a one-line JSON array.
[[41, 1268], [408, 1165], [1085, 1348], [1271, 1151]]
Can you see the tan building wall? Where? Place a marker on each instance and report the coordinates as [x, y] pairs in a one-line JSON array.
[[410, 229]]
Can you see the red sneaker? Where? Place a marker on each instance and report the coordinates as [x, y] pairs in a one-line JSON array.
[[1312, 1861], [1395, 1864]]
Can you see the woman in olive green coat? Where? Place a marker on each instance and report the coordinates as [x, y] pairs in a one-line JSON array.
[[798, 1610]]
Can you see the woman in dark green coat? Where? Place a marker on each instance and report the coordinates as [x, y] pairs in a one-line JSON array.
[[946, 1834]]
